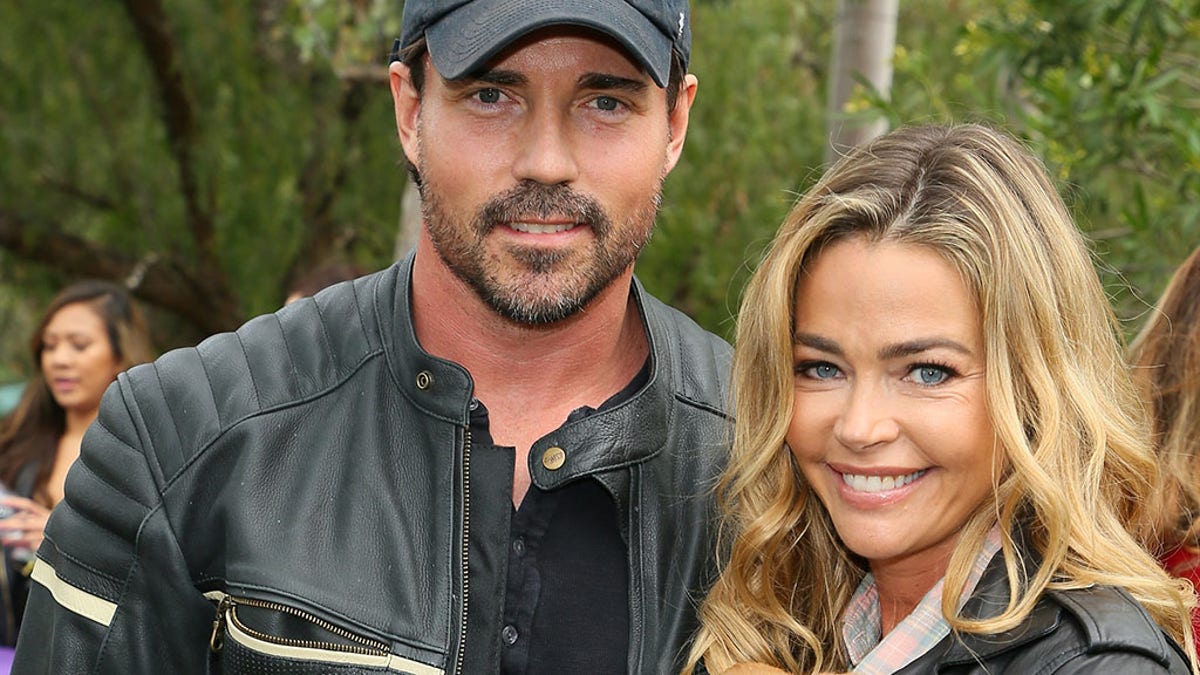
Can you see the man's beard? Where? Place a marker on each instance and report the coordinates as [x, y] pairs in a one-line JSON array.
[[530, 285]]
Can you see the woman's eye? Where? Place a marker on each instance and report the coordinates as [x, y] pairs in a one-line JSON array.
[[819, 371], [928, 375]]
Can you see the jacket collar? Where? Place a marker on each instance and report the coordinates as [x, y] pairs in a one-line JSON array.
[[593, 443], [1107, 616], [989, 599]]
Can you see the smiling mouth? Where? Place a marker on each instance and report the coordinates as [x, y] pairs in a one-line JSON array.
[[540, 228], [861, 483]]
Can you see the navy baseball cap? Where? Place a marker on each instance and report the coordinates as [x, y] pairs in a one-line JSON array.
[[461, 35]]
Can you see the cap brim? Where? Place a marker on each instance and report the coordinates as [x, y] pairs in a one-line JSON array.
[[466, 38]]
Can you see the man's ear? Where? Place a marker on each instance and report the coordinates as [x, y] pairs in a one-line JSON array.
[[677, 121], [408, 109]]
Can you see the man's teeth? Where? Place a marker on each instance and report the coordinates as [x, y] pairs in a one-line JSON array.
[[540, 228], [879, 483]]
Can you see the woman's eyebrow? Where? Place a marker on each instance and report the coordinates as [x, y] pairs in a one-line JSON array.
[[817, 342], [911, 347]]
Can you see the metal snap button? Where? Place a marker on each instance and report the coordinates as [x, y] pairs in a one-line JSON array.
[[554, 458], [424, 380]]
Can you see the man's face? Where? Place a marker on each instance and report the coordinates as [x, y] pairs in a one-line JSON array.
[[541, 176]]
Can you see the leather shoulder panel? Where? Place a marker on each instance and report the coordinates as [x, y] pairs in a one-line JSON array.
[[1112, 620], [189, 397]]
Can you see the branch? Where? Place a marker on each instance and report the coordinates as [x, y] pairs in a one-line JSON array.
[[166, 283], [320, 189], [361, 74], [72, 190], [178, 111]]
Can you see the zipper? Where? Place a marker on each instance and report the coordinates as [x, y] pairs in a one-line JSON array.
[[227, 613], [466, 530], [217, 640]]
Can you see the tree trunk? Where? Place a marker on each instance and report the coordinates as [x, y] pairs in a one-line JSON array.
[[864, 40], [410, 219]]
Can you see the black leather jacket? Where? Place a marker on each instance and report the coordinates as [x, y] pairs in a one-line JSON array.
[[1098, 631], [291, 498]]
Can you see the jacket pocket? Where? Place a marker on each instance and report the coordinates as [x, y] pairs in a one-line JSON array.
[[255, 637]]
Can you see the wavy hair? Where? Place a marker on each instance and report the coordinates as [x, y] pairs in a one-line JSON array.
[[1067, 416], [1166, 356], [31, 431]]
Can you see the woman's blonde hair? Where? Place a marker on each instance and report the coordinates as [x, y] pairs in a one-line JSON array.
[[1067, 416], [1166, 356]]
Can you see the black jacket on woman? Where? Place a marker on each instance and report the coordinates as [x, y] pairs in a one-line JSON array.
[[1099, 630]]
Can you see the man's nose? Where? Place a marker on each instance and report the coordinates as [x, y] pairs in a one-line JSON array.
[[546, 153]]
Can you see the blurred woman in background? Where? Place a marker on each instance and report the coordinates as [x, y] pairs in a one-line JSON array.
[[90, 332]]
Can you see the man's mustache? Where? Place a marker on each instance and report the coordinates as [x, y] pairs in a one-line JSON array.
[[530, 200]]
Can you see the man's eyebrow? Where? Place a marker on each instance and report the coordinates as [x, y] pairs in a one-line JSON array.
[[498, 77], [604, 81]]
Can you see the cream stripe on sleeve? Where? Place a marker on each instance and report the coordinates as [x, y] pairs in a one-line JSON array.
[[75, 599]]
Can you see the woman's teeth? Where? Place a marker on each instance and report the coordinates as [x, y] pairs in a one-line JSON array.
[[879, 483]]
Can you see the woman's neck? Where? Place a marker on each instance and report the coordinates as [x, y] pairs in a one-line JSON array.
[[77, 421]]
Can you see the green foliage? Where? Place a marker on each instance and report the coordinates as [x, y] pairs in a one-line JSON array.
[[293, 153], [1106, 91], [756, 139], [281, 146]]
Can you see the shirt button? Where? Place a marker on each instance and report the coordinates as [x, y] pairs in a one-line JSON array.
[[509, 634], [518, 546]]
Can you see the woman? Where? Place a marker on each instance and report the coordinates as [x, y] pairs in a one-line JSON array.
[[90, 332], [1166, 356], [938, 448]]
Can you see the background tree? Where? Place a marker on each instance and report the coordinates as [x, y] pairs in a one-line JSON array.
[[1107, 91], [204, 151], [202, 155], [863, 43]]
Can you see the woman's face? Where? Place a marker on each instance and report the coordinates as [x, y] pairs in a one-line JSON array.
[[77, 357], [890, 424]]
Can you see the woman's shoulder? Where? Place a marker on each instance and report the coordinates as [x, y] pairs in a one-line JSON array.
[[1100, 629], [1104, 629]]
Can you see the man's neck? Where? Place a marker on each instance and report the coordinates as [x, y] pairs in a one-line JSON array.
[[529, 377]]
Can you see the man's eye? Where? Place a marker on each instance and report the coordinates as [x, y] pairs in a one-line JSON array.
[[489, 95], [607, 103]]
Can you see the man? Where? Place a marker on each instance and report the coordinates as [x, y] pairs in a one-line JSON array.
[[495, 456]]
